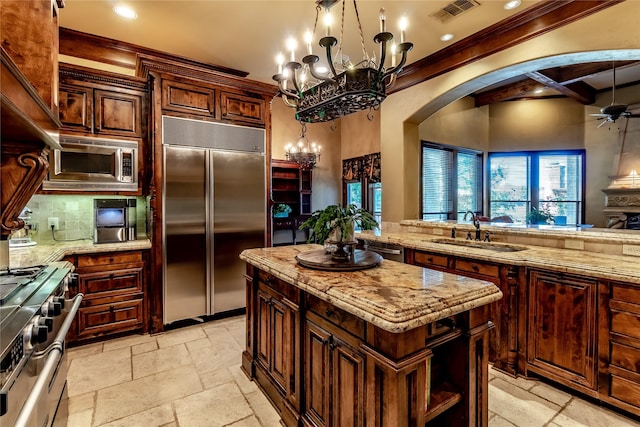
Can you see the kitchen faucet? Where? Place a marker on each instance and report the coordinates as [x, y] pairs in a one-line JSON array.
[[476, 222]]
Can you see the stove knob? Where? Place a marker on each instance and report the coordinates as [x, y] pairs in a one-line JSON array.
[[61, 300], [46, 321], [39, 334], [55, 309]]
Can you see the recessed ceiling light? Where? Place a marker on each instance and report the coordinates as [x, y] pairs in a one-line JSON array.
[[125, 12], [512, 4], [538, 91], [446, 37]]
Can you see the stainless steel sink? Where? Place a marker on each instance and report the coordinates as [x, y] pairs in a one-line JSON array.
[[497, 247]]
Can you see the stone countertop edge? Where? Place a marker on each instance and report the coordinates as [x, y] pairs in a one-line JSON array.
[[595, 235], [360, 299], [47, 253], [623, 268]]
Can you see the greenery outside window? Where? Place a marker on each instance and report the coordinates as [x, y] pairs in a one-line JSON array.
[[450, 182], [538, 187]]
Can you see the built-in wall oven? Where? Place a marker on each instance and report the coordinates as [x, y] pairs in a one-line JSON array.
[[93, 164], [34, 320]]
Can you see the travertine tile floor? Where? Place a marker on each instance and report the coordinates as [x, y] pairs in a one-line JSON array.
[[191, 377]]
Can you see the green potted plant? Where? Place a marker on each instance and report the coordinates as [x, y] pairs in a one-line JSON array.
[[540, 216], [337, 223], [281, 211]]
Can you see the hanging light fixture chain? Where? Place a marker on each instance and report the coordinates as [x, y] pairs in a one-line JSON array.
[[364, 49], [315, 24], [339, 52]]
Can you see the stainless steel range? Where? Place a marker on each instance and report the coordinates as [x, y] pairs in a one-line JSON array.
[[34, 320]]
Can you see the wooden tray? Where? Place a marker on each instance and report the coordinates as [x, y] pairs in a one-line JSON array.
[[318, 259]]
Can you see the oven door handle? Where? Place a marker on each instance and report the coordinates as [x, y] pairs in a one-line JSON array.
[[30, 404], [58, 341], [66, 325]]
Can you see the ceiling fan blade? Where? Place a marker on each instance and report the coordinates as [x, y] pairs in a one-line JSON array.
[[604, 122], [632, 115], [599, 115]]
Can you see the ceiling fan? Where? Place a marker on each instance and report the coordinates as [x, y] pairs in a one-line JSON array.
[[613, 112]]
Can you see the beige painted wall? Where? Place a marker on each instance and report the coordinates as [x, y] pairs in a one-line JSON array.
[[327, 188], [543, 124], [360, 135], [459, 124]]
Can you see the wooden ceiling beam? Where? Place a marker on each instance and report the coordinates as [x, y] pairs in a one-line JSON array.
[[507, 92], [579, 91]]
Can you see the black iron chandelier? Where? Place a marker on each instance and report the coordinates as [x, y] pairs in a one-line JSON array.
[[304, 153], [342, 87]]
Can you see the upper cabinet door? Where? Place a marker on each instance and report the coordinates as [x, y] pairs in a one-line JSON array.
[[76, 108], [118, 113], [188, 98], [236, 107]]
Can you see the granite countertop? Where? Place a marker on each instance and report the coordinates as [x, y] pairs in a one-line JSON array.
[[623, 268], [393, 296], [46, 253]]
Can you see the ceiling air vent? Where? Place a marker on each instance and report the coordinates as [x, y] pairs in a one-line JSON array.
[[454, 9]]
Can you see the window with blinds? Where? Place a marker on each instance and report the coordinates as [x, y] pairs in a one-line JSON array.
[[451, 181], [549, 181]]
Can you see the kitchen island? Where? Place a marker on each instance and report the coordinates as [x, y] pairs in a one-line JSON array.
[[394, 345]]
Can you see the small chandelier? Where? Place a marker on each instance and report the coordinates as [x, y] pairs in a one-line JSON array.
[[304, 153], [343, 88]]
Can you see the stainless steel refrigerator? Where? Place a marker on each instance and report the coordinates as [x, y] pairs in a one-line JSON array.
[[214, 207]]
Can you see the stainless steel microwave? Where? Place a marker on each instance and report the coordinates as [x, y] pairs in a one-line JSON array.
[[93, 164]]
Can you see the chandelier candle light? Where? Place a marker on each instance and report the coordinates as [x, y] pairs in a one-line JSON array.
[[321, 94], [304, 153]]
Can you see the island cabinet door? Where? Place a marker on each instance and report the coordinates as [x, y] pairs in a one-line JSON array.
[[334, 380], [562, 329], [272, 337]]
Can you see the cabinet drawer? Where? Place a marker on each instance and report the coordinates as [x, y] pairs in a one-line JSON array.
[[108, 259], [110, 282], [625, 390], [110, 317], [288, 291], [426, 259], [625, 323], [337, 316], [477, 268], [625, 293], [625, 357]]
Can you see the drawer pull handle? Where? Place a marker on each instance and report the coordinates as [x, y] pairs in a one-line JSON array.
[[430, 259], [329, 313], [111, 308], [475, 268]]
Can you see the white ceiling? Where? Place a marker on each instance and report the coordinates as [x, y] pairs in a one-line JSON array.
[[247, 35]]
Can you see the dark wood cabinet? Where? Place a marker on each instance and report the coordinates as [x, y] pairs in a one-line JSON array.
[[118, 113], [334, 378], [199, 99], [188, 98], [238, 107], [562, 338], [113, 285], [507, 340], [619, 345], [101, 103], [323, 366]]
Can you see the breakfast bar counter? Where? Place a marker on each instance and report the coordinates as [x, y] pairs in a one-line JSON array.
[[395, 345]]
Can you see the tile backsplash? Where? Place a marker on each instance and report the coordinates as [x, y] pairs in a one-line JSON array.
[[75, 216]]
